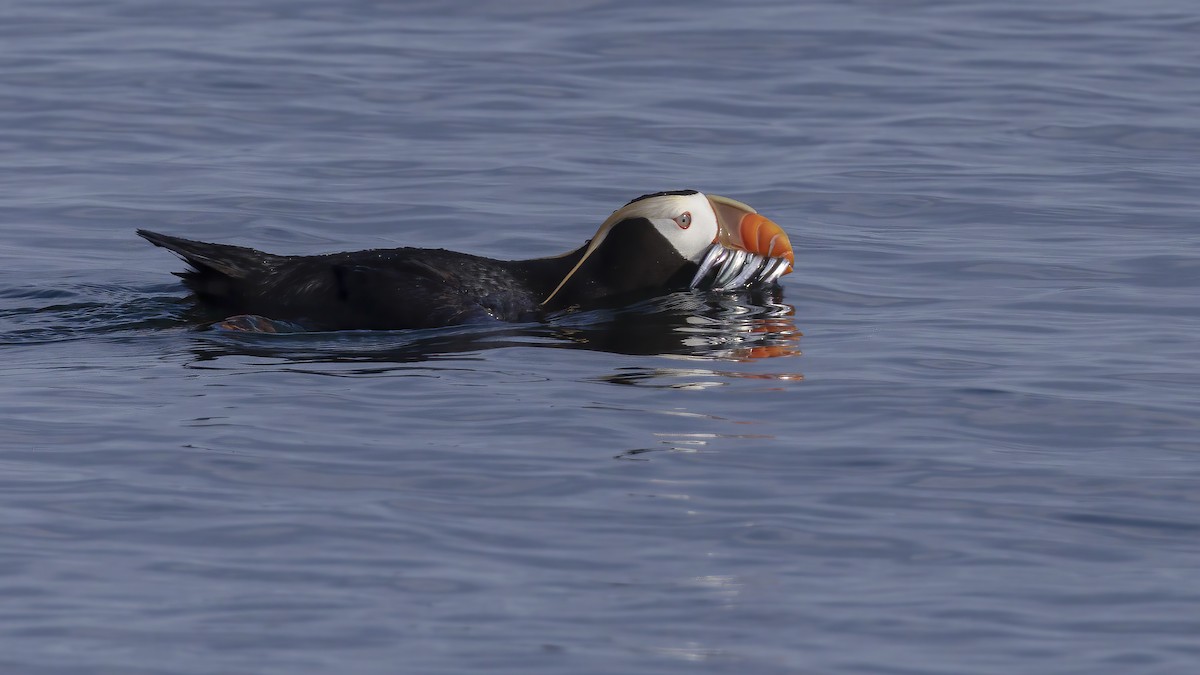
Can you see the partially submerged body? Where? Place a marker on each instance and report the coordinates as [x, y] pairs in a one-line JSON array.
[[654, 244]]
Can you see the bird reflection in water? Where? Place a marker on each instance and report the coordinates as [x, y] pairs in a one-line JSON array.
[[741, 325]]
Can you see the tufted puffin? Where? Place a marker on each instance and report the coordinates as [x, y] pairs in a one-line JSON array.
[[655, 244]]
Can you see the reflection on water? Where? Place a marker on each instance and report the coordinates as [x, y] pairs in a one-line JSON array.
[[737, 326], [653, 377], [744, 325], [686, 443], [740, 326]]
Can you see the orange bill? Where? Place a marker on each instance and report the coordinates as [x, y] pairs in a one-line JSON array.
[[741, 227]]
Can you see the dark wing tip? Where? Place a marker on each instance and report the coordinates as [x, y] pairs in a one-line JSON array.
[[156, 238], [232, 261]]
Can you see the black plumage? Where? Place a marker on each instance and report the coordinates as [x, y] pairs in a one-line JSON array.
[[422, 288]]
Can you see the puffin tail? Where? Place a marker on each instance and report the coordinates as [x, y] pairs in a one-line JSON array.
[[216, 268]]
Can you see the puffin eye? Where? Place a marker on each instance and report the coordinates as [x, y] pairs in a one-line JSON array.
[[684, 221]]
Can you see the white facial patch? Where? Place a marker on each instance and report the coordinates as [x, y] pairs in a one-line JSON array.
[[665, 213]]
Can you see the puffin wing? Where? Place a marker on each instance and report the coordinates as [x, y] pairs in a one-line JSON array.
[[371, 290], [232, 261], [408, 295], [221, 274]]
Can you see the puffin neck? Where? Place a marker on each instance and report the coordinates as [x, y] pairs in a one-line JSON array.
[[543, 275], [631, 259]]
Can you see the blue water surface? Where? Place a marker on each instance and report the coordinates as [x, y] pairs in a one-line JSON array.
[[965, 440]]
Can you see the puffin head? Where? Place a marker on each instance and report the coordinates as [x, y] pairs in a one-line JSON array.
[[657, 242]]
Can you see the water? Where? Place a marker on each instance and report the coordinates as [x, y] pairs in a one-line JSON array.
[[984, 461]]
